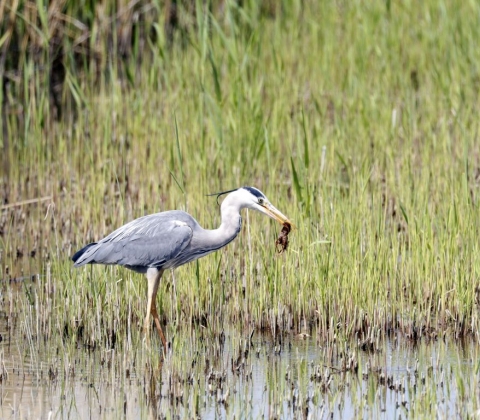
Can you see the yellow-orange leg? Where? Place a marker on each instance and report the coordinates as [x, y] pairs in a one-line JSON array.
[[159, 327], [153, 277]]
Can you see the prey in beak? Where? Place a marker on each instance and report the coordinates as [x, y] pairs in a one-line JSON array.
[[270, 210]]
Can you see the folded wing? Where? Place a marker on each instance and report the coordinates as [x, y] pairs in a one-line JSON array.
[[149, 241]]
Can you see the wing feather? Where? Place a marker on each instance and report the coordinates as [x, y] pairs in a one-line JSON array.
[[149, 241]]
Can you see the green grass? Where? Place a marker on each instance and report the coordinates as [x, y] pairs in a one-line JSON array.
[[358, 121]]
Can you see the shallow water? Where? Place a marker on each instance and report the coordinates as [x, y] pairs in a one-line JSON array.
[[266, 378]]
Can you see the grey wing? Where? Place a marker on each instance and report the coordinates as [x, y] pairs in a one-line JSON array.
[[150, 241]]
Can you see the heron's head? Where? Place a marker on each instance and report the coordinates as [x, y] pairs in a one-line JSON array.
[[253, 198]]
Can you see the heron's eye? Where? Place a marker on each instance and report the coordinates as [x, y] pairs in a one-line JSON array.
[[261, 201]]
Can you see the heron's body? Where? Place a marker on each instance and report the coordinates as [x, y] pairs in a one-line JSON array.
[[151, 244]]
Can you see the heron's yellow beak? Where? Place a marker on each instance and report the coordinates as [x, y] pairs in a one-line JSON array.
[[274, 213]]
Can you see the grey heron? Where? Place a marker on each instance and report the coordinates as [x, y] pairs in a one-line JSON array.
[[154, 243]]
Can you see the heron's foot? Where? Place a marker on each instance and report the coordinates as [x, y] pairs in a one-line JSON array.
[[147, 339]]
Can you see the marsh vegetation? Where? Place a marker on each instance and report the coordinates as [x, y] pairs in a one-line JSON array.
[[359, 121]]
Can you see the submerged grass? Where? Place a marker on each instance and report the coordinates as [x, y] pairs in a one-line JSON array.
[[245, 378], [358, 121]]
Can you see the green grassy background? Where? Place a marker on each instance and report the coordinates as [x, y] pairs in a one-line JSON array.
[[358, 120]]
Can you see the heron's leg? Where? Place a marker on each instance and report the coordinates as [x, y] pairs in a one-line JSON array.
[[157, 324], [153, 277]]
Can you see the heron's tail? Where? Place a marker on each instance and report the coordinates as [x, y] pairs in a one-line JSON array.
[[83, 256]]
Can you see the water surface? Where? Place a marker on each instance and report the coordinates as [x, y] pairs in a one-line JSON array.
[[291, 377]]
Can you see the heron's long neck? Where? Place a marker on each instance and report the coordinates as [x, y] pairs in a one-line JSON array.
[[228, 229]]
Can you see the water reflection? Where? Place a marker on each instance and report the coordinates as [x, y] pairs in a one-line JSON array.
[[262, 379]]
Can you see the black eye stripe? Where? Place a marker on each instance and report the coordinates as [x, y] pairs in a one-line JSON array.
[[255, 192]]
